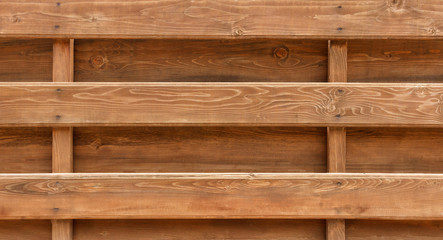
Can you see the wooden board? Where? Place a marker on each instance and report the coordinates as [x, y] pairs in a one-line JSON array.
[[199, 229], [395, 230], [34, 55], [173, 60], [200, 149], [395, 61], [25, 150], [25, 230], [125, 196], [222, 19], [395, 150], [313, 104]]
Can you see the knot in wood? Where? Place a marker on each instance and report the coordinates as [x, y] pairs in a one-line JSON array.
[[97, 61], [281, 53]]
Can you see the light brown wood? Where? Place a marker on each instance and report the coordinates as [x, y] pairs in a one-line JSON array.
[[241, 229], [124, 196], [337, 72], [325, 19], [62, 138], [189, 60], [62, 229], [200, 149], [297, 104], [335, 229]]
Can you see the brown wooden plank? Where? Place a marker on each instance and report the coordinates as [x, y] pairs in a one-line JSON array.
[[25, 230], [321, 195], [395, 230], [337, 72], [200, 149], [308, 104], [62, 140], [395, 150], [335, 229], [226, 19], [181, 60], [34, 55], [199, 229], [25, 150], [395, 61]]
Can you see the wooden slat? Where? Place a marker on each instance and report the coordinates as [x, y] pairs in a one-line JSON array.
[[321, 195], [62, 138], [228, 18], [199, 149], [309, 104], [200, 60], [337, 72], [25, 230], [200, 229]]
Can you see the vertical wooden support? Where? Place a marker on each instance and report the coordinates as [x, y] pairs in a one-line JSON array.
[[338, 52], [62, 156]]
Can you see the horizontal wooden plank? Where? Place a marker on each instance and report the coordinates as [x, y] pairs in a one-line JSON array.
[[198, 60], [393, 230], [395, 61], [301, 104], [260, 195], [34, 55], [222, 19], [25, 230], [199, 149], [200, 229], [394, 150]]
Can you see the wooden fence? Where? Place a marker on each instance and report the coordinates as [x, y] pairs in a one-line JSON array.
[[224, 119]]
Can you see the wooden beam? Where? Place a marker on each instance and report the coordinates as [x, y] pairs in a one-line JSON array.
[[337, 72], [324, 19], [123, 196], [295, 104], [62, 138]]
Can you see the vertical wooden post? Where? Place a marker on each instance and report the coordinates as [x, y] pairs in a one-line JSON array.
[[62, 156], [338, 52]]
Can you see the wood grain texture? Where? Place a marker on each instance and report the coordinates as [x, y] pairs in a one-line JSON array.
[[200, 149], [275, 229], [395, 230], [222, 19], [395, 61], [180, 60], [25, 150], [395, 150], [34, 55], [124, 196], [337, 61], [62, 229], [313, 104], [335, 229], [62, 150], [25, 230]]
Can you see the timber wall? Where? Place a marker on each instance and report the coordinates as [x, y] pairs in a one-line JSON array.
[[221, 120]]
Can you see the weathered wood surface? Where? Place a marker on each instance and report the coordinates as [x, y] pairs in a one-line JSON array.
[[395, 150], [242, 229], [313, 104], [395, 61], [181, 60], [200, 149], [25, 150], [335, 229], [124, 196], [25, 60], [25, 230], [222, 19], [395, 230]]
